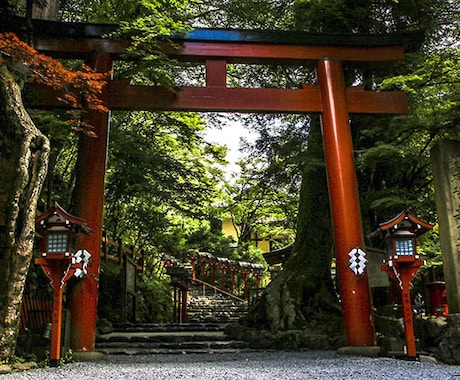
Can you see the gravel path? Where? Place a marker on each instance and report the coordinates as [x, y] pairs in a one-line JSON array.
[[252, 365]]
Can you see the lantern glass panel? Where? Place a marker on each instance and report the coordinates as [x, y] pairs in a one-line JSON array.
[[404, 246], [57, 242]]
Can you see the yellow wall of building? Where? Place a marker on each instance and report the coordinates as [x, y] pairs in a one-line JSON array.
[[229, 229]]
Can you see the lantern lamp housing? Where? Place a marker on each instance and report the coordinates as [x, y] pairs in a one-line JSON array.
[[400, 236], [59, 228], [57, 236]]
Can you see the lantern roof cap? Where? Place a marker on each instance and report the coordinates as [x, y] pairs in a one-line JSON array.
[[78, 224], [419, 226]]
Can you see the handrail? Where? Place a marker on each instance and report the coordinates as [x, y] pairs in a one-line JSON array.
[[121, 251], [219, 290]]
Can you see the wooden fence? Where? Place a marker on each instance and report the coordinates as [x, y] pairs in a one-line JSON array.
[[35, 313]]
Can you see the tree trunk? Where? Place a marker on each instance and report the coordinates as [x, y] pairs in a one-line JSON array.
[[303, 295], [48, 12], [24, 153]]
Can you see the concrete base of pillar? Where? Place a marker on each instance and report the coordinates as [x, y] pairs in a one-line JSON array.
[[368, 351], [87, 356]]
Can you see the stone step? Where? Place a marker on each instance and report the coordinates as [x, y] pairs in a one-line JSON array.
[[178, 346], [211, 318], [218, 305], [218, 309], [164, 337], [168, 327], [168, 339], [219, 315], [215, 308], [165, 351], [215, 301]]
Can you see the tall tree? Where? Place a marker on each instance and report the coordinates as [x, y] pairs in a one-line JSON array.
[[303, 294]]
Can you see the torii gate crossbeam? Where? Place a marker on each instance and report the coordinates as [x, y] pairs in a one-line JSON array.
[[216, 48]]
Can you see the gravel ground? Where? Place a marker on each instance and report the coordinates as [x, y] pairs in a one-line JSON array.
[[252, 365]]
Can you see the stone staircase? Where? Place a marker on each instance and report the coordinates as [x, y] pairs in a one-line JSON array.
[[208, 315], [214, 307], [186, 338]]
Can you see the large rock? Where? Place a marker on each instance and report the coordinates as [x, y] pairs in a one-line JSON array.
[[433, 328], [234, 330], [448, 350], [263, 341], [26, 366], [4, 369], [104, 326]]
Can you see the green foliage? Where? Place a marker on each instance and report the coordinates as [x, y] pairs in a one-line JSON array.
[[255, 14], [394, 155], [204, 239], [153, 300], [67, 358], [11, 7], [256, 206], [161, 173], [110, 291], [147, 33], [434, 88], [61, 176], [362, 16], [115, 11], [393, 177], [156, 305], [428, 247]]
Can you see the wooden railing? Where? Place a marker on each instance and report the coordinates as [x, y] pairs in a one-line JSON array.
[[217, 290], [116, 251]]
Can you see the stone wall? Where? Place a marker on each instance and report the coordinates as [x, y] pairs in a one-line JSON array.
[[446, 174]]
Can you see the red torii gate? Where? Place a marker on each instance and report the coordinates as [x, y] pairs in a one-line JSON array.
[[216, 48]]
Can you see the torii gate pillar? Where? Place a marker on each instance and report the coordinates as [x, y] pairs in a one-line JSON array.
[[343, 194], [89, 203]]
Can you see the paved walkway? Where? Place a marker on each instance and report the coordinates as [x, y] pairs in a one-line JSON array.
[[248, 366]]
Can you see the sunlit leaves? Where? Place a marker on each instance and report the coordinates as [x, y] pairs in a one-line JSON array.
[[78, 89], [160, 171]]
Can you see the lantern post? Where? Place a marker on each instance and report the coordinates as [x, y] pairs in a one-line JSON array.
[[193, 260], [402, 263], [245, 270], [257, 270], [223, 266], [180, 280], [60, 263]]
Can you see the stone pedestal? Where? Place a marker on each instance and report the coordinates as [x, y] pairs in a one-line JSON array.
[[445, 158]]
